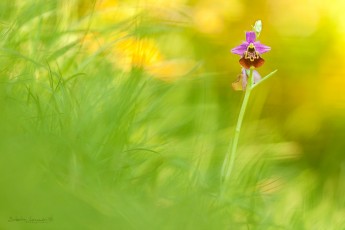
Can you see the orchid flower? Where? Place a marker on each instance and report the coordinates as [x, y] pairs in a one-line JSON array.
[[250, 51]]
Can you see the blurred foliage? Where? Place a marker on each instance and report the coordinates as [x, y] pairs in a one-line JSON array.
[[117, 114]]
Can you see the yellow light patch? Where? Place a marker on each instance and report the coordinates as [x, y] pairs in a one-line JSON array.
[[171, 70]]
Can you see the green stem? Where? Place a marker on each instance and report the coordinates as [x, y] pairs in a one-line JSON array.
[[264, 78], [231, 155]]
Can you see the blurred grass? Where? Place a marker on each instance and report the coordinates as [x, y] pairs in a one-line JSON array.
[[118, 115]]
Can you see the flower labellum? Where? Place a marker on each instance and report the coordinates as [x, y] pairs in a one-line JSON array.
[[241, 82], [250, 51]]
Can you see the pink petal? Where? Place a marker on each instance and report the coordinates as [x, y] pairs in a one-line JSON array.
[[245, 76], [261, 48], [240, 49], [250, 36], [244, 79], [256, 76]]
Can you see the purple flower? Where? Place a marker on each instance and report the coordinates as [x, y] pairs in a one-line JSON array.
[[250, 51], [242, 79]]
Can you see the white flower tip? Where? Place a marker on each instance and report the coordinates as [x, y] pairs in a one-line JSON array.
[[257, 26]]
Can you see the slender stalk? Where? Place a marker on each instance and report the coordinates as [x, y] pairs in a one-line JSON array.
[[231, 155], [264, 78]]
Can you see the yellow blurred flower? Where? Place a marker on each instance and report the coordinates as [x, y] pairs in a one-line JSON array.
[[129, 52], [135, 52], [144, 53], [126, 51]]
